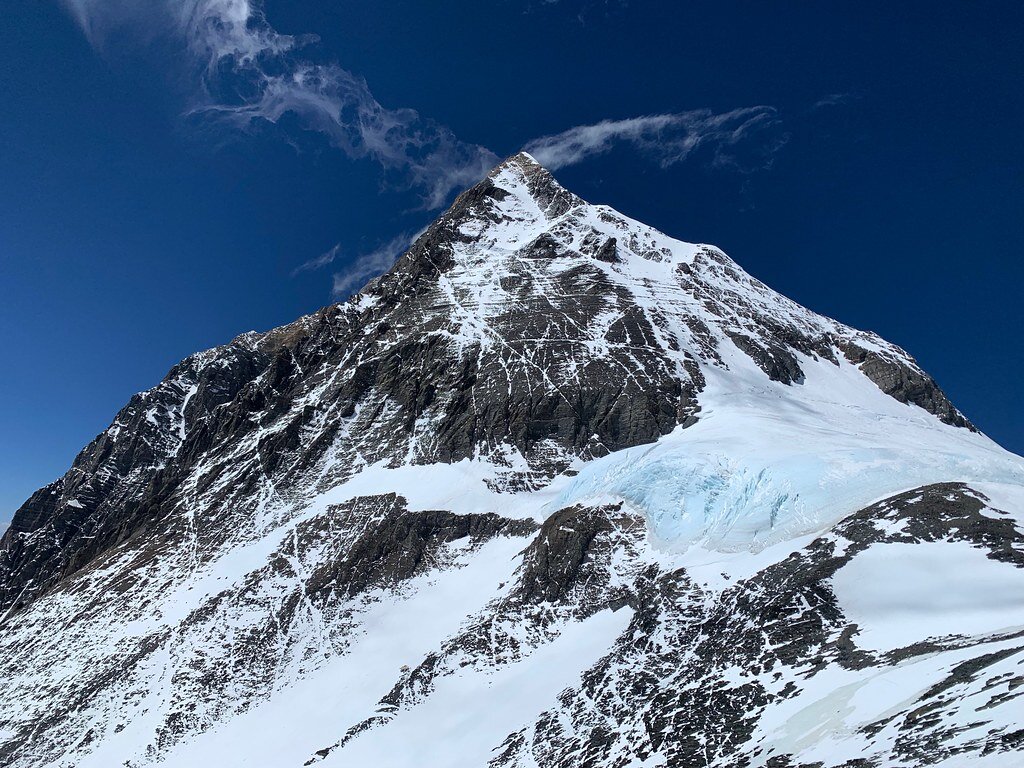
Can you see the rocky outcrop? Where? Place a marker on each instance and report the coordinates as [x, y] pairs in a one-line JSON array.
[[119, 484], [777, 361], [555, 561], [403, 544], [905, 381]]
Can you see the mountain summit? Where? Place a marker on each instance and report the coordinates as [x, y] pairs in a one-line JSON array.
[[556, 490]]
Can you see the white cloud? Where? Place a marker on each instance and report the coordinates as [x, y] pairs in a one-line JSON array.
[[243, 73], [835, 100], [669, 138], [319, 262], [370, 265], [249, 74]]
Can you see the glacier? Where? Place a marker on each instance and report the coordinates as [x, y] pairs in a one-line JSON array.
[[767, 462]]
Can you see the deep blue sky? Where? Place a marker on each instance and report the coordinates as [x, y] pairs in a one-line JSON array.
[[131, 236]]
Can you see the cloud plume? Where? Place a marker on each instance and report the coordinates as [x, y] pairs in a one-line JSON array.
[[672, 138], [241, 73], [318, 262], [248, 74], [835, 100]]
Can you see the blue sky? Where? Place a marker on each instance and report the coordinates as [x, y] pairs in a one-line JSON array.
[[164, 178]]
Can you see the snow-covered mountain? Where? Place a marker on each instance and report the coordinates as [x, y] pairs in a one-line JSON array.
[[556, 491]]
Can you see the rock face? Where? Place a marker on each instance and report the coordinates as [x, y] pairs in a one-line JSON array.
[[495, 482]]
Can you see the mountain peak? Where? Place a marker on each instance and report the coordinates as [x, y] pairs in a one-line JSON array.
[[521, 176], [522, 160], [548, 442], [519, 240]]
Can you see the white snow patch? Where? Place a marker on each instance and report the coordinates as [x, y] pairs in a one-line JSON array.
[[899, 594], [1005, 498], [511, 697], [461, 488]]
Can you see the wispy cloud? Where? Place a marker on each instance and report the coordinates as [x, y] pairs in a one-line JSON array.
[[671, 138], [248, 75], [835, 100], [318, 262], [243, 73], [370, 265]]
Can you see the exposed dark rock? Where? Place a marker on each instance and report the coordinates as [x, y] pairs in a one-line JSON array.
[[906, 383], [399, 545], [118, 484], [609, 252], [544, 247], [554, 561], [778, 362]]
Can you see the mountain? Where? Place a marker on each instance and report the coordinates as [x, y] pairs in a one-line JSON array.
[[558, 490]]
